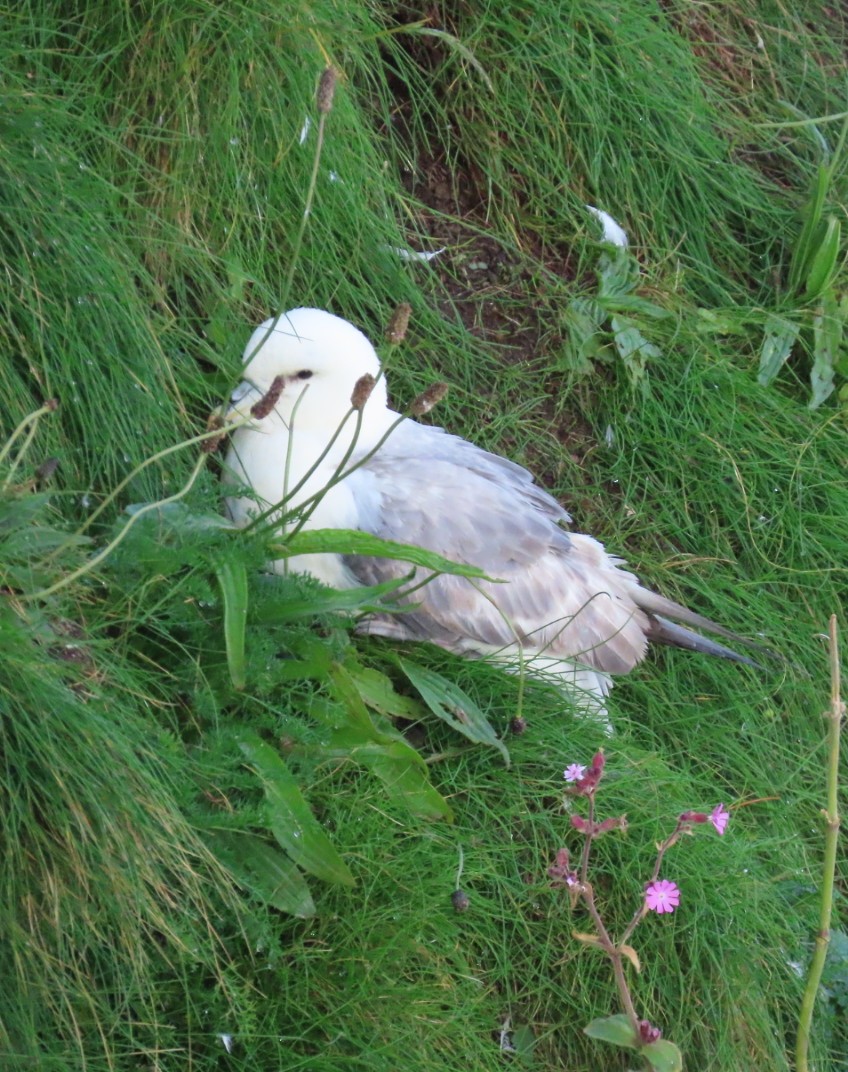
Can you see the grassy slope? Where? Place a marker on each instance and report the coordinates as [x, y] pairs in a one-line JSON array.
[[153, 177]]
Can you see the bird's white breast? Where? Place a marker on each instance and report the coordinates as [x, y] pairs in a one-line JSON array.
[[260, 458]]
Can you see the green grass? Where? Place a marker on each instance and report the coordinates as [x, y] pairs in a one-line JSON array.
[[153, 182]]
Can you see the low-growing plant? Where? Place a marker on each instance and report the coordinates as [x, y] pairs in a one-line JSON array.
[[628, 1029]]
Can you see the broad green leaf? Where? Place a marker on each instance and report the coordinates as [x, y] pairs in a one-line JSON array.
[[720, 322], [263, 870], [232, 577], [823, 259], [827, 338], [21, 512], [310, 661], [290, 818], [779, 338], [662, 1056], [616, 1029], [354, 542], [384, 751], [811, 226], [632, 303], [378, 693], [399, 768], [452, 705]]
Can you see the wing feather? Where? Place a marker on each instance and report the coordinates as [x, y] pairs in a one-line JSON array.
[[560, 593]]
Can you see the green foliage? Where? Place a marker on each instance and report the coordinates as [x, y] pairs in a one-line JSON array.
[[154, 181]]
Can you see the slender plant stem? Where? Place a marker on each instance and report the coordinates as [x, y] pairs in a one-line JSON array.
[[834, 715], [587, 843], [612, 951], [92, 563], [642, 910], [202, 438], [30, 419], [20, 455]]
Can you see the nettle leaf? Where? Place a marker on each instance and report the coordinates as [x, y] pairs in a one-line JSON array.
[[263, 870], [632, 346], [366, 600], [615, 1029], [583, 321], [662, 1056], [448, 702], [290, 819], [354, 542], [618, 274]]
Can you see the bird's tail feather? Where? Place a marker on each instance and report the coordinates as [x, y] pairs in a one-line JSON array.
[[666, 631], [663, 631]]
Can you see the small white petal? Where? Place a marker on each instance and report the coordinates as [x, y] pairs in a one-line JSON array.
[[613, 232], [334, 176], [304, 130], [227, 1040]]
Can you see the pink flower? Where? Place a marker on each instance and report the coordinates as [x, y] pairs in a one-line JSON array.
[[662, 896], [574, 773], [719, 817]]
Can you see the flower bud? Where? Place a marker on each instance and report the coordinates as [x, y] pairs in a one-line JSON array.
[[693, 817], [460, 900], [647, 1032]]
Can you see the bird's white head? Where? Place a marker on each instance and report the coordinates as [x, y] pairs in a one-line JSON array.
[[320, 358]]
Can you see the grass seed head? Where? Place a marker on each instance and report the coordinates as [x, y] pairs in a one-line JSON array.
[[362, 390], [396, 331], [266, 403], [428, 398], [326, 90]]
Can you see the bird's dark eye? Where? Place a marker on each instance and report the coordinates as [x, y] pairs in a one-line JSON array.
[[304, 374]]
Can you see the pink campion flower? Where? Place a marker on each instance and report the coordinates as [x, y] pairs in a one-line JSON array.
[[662, 896], [720, 817], [574, 772]]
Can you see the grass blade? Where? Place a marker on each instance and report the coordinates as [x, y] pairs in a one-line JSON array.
[[232, 578]]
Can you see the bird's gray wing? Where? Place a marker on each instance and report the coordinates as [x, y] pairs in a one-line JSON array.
[[561, 593]]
